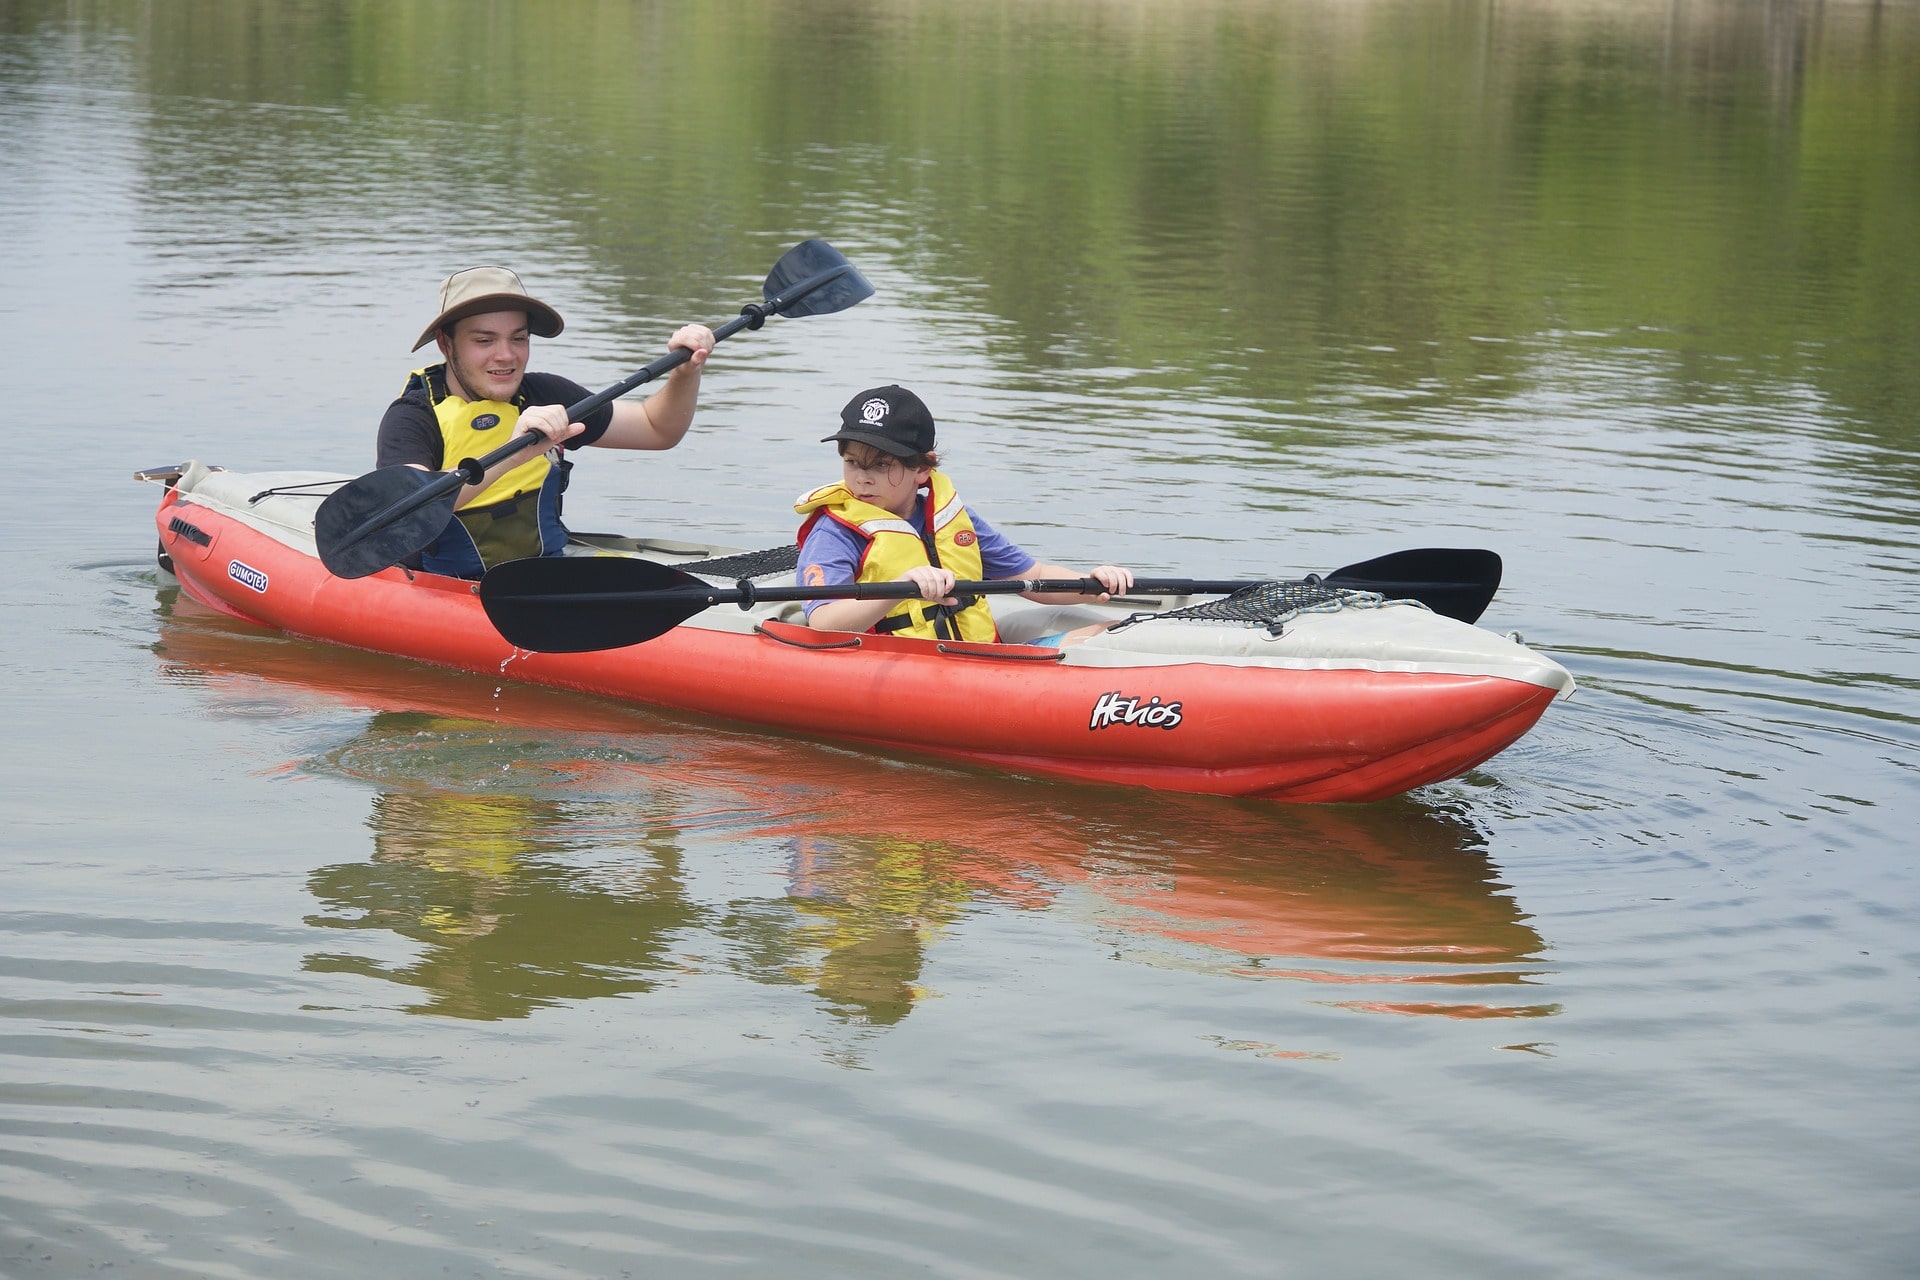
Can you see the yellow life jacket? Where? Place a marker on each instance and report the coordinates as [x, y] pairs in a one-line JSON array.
[[895, 546], [515, 516]]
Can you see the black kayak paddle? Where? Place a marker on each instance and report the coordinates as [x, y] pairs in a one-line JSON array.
[[385, 516], [577, 604]]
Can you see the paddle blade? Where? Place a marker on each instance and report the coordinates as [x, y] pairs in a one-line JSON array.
[[357, 531], [1457, 582], [548, 604], [805, 262]]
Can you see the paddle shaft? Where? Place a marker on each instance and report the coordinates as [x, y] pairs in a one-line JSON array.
[[474, 470], [746, 594]]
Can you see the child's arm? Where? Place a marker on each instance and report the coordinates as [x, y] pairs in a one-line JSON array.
[[1116, 580], [858, 615]]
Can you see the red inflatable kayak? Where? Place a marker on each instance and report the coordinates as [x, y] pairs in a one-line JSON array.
[[1348, 705]]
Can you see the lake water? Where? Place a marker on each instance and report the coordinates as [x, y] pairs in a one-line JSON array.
[[315, 963]]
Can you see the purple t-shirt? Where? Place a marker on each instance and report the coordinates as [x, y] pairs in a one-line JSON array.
[[836, 551]]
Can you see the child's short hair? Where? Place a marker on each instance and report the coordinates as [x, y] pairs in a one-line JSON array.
[[929, 459]]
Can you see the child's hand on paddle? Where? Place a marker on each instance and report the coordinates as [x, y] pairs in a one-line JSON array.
[[932, 584], [1116, 580]]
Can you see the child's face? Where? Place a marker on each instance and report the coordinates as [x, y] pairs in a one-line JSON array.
[[880, 478]]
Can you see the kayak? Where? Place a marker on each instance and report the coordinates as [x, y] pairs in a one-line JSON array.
[[1353, 700]]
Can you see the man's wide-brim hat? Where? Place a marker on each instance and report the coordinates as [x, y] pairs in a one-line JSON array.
[[478, 290]]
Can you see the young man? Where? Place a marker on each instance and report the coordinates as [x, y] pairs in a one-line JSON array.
[[481, 396], [894, 518]]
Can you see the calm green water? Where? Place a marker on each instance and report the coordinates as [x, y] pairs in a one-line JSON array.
[[318, 964]]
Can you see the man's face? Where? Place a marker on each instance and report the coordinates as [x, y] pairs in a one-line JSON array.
[[487, 355]]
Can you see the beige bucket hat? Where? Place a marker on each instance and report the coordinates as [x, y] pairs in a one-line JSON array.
[[478, 290]]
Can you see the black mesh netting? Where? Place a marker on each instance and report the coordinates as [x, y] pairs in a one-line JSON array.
[[748, 564], [1270, 604]]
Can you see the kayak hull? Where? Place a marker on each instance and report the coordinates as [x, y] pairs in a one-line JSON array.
[[1315, 732]]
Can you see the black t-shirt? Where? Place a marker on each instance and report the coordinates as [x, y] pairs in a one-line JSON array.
[[410, 434]]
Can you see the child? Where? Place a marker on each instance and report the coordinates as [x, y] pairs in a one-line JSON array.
[[894, 518]]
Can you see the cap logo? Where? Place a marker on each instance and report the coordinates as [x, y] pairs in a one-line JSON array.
[[874, 411]]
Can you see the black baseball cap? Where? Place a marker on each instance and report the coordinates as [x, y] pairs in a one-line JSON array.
[[890, 418]]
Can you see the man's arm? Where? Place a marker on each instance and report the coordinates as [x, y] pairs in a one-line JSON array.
[[410, 437], [548, 419], [661, 420]]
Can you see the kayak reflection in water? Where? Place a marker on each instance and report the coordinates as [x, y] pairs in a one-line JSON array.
[[894, 517], [564, 877]]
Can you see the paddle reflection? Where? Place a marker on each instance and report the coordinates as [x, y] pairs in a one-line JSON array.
[[534, 847]]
